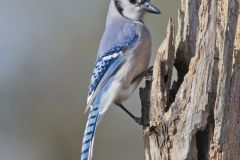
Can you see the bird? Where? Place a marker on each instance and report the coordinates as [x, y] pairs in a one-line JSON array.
[[122, 61]]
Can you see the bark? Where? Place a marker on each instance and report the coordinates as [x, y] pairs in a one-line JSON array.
[[197, 116]]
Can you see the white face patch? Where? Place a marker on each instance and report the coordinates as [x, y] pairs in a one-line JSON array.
[[130, 9]]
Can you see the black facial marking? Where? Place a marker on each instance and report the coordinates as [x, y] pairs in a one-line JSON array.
[[133, 1], [118, 6], [120, 9]]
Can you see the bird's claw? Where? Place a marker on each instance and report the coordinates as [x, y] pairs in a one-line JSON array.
[[140, 121], [148, 73]]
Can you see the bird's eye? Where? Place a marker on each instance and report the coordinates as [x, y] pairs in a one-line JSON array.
[[133, 1]]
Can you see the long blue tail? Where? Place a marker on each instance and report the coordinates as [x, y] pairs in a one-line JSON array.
[[88, 139]]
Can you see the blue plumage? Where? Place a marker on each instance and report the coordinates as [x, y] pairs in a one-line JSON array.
[[103, 63], [89, 133], [100, 68], [104, 68], [123, 54], [128, 42]]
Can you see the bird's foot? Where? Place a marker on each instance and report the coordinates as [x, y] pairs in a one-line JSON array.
[[136, 119], [148, 73], [140, 121]]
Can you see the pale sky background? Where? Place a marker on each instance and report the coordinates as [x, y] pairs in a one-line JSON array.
[[47, 52]]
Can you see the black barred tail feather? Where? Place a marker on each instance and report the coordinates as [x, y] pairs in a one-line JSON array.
[[88, 138]]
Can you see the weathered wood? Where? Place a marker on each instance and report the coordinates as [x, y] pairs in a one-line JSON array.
[[199, 116], [159, 96]]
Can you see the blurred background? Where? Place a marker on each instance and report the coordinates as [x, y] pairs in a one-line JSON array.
[[47, 52]]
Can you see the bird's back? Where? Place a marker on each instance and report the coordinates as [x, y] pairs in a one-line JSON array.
[[121, 30], [123, 54]]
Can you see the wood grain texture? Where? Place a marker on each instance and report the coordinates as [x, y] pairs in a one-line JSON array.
[[198, 116]]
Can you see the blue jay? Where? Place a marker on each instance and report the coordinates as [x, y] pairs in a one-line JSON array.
[[122, 60]]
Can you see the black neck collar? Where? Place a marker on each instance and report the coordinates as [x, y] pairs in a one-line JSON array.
[[120, 10], [119, 7]]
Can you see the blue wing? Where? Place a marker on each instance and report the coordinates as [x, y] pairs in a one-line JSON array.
[[107, 65]]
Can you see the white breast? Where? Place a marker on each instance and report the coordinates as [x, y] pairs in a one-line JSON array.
[[135, 65]]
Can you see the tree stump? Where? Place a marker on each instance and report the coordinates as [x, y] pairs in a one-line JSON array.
[[197, 116]]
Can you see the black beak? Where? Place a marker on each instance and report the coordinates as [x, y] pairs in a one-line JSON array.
[[151, 8]]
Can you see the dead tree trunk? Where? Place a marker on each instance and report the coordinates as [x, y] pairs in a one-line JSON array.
[[197, 116]]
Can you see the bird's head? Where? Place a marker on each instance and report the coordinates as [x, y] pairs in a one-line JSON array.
[[135, 9]]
